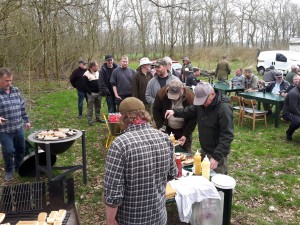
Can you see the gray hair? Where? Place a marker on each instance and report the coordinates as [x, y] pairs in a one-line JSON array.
[[5, 71], [168, 60]]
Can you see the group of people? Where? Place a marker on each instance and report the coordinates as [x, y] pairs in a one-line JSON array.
[[274, 82]]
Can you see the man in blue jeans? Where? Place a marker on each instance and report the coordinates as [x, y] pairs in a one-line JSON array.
[[77, 82], [291, 111], [12, 116]]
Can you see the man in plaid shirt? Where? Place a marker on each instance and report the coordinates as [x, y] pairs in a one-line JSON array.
[[137, 166], [12, 115]]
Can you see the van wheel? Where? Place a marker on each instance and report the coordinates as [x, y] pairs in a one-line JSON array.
[[261, 70]]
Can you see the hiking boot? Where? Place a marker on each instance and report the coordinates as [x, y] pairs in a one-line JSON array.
[[288, 136], [100, 120], [80, 117], [90, 123], [269, 112], [8, 176]]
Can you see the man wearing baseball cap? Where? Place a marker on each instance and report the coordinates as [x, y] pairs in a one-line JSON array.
[[215, 124], [175, 96], [137, 166], [140, 81]]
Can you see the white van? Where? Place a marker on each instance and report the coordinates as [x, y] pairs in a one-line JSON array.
[[281, 60]]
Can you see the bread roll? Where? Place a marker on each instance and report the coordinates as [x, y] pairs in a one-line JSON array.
[[42, 223], [57, 223], [60, 134], [5, 223], [51, 218], [42, 217], [61, 215], [27, 222], [2, 217]]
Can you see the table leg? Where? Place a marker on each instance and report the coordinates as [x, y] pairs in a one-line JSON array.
[[84, 157], [276, 116], [48, 158], [37, 162]]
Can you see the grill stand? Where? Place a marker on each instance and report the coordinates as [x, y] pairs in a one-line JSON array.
[[67, 169]]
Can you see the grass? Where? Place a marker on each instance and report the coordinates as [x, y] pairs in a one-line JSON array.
[[265, 166]]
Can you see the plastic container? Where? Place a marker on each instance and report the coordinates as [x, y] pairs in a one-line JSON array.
[[206, 168], [178, 164], [172, 138], [197, 163]]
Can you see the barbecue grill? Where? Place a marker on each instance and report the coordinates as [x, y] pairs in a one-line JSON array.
[[26, 201], [57, 147]]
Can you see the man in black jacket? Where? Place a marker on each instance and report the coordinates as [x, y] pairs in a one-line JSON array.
[[105, 88], [215, 124], [291, 111], [77, 82]]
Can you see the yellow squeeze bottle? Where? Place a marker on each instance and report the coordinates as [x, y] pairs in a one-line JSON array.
[[206, 168], [197, 163], [172, 138]]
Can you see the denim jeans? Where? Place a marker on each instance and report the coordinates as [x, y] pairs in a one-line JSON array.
[[13, 149], [110, 100], [81, 96]]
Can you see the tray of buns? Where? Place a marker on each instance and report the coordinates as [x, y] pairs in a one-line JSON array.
[[55, 134]]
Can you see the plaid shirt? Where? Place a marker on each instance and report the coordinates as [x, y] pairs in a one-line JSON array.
[[137, 165], [12, 108]]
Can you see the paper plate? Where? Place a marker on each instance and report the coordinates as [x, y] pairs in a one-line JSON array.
[[223, 181]]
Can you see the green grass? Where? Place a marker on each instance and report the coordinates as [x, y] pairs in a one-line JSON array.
[[265, 166]]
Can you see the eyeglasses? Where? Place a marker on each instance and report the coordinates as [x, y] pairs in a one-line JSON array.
[[279, 77]]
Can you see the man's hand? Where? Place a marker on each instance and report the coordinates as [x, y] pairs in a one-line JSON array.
[[213, 163], [169, 113], [2, 120], [182, 140], [118, 97], [27, 126]]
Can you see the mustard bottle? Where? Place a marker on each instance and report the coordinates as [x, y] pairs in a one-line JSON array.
[[172, 138], [206, 168], [197, 163]]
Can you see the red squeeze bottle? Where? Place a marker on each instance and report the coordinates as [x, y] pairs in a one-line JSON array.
[[178, 164]]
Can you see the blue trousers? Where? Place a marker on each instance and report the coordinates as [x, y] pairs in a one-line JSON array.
[[81, 96], [13, 149]]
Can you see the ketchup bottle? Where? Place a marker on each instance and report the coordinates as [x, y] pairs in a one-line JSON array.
[[178, 164]]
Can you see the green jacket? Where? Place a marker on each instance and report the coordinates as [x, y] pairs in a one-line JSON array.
[[215, 125]]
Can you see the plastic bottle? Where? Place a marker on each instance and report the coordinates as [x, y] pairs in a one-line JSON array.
[[197, 163], [172, 138], [206, 168], [178, 164]]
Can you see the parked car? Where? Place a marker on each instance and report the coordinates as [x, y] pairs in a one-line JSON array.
[[280, 59]]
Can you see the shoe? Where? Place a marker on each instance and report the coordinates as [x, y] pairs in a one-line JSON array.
[[269, 113], [288, 136], [90, 123], [100, 120], [80, 117], [8, 176]]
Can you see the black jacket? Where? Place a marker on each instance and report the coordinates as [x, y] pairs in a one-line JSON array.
[[105, 87], [77, 80], [215, 125], [291, 104]]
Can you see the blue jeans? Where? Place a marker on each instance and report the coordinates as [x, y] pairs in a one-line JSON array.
[[81, 97], [110, 101], [13, 149]]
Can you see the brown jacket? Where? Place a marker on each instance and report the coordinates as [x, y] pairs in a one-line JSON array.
[[139, 85], [162, 103]]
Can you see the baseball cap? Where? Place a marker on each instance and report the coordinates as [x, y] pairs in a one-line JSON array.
[[174, 89], [145, 61], [278, 74], [202, 91], [108, 57], [160, 62], [82, 61], [130, 104]]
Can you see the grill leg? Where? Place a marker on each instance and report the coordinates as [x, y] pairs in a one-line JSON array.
[[84, 158], [49, 167], [37, 162]]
